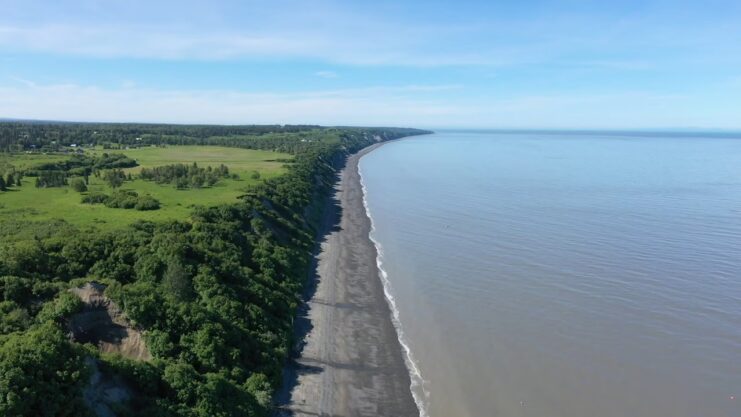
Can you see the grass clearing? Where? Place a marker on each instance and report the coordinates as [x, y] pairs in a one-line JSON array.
[[238, 160], [23, 161], [38, 204]]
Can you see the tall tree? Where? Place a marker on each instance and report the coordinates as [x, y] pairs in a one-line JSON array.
[[177, 280]]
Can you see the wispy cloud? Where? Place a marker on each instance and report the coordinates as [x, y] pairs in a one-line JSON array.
[[141, 42], [411, 63], [372, 48], [326, 74], [382, 105], [27, 83], [374, 105], [336, 33]]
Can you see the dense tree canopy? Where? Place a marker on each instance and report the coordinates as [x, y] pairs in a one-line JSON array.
[[41, 374], [214, 294]]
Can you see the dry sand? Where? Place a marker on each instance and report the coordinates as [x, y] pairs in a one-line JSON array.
[[350, 362]]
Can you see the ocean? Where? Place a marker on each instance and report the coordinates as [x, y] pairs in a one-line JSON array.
[[563, 274]]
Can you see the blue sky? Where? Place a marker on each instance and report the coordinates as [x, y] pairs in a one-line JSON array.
[[509, 64]]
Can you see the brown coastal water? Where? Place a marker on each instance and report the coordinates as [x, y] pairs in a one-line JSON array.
[[564, 275]]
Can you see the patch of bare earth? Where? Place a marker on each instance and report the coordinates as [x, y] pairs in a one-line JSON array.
[[103, 324]]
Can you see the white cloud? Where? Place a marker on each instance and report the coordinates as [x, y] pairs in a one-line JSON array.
[[141, 42], [365, 106], [377, 33], [411, 105], [326, 74]]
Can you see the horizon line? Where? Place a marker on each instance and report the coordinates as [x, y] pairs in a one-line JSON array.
[[655, 129]]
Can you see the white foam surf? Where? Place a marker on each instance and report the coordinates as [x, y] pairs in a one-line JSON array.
[[418, 383]]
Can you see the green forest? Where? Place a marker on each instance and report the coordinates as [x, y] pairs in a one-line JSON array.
[[212, 293]]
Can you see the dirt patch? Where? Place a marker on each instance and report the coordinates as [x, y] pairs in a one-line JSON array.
[[104, 392], [103, 324]]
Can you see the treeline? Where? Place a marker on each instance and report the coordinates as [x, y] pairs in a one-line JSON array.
[[45, 179], [215, 295], [185, 176], [19, 136], [82, 165], [15, 136], [56, 174]]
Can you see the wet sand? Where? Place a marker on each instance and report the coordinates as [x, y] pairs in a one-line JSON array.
[[349, 361]]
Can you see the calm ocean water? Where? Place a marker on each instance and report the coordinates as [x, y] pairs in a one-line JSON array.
[[562, 275]]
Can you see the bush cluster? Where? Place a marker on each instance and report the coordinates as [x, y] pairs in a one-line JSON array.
[[47, 179], [123, 199], [185, 176]]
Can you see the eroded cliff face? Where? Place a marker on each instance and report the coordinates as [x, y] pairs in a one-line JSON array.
[[104, 324]]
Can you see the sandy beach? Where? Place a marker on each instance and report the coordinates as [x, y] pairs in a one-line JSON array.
[[349, 361]]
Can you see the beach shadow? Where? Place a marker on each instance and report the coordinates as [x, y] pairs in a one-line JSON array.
[[330, 223], [343, 306], [301, 412], [357, 367]]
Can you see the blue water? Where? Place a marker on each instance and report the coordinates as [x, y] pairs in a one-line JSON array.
[[564, 275]]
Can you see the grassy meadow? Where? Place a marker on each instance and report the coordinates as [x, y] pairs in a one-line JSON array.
[[28, 203]]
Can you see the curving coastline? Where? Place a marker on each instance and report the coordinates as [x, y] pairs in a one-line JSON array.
[[350, 361], [419, 392]]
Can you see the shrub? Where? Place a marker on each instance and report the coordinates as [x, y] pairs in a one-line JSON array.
[[78, 184], [95, 198], [63, 306], [147, 202], [123, 199]]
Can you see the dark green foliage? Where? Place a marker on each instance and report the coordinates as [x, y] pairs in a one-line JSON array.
[[177, 281], [83, 165], [41, 374], [111, 161], [95, 198], [78, 184], [61, 307], [2, 184], [43, 136], [10, 180], [185, 176], [215, 295], [123, 199], [147, 202], [13, 318], [144, 377], [47, 179], [48, 136], [79, 164], [115, 177]]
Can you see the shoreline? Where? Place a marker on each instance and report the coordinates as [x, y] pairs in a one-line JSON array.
[[350, 361], [417, 386]]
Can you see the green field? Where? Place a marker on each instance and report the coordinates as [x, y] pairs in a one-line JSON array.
[[35, 204]]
